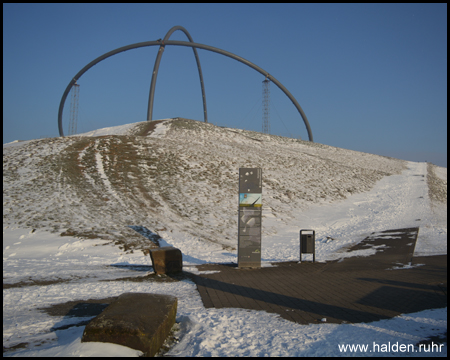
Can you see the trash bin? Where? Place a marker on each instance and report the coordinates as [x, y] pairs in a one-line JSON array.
[[308, 243]]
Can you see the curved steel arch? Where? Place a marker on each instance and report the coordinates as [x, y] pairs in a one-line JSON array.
[[151, 96], [179, 43]]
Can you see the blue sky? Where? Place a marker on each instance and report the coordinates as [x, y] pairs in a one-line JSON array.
[[369, 77]]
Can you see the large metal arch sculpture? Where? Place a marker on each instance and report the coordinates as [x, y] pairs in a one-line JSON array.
[[180, 43], [151, 96]]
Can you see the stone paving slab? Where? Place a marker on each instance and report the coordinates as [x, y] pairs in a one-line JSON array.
[[140, 321], [353, 290]]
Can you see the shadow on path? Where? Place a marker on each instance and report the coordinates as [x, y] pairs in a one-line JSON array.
[[359, 289]]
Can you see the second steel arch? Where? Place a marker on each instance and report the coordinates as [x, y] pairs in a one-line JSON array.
[[151, 96], [180, 43]]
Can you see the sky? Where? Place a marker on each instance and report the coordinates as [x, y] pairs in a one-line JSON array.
[[369, 77]]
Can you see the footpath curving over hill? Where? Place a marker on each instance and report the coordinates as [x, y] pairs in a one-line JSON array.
[[173, 175]]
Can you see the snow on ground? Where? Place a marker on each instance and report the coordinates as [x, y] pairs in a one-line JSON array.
[[92, 189], [204, 332]]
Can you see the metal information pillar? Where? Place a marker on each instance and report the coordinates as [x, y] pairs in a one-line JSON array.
[[250, 208]]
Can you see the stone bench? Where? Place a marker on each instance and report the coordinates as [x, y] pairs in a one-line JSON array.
[[137, 320], [166, 260]]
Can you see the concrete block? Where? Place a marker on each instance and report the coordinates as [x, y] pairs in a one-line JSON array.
[[138, 320], [166, 260]]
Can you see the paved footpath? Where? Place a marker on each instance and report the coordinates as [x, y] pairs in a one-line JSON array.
[[353, 290]]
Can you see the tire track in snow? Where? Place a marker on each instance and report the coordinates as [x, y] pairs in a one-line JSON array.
[[82, 167], [103, 177]]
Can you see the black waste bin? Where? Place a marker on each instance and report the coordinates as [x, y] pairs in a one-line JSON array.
[[308, 243]]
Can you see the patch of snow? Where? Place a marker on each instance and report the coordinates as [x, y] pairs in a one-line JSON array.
[[441, 172], [114, 130], [403, 266], [160, 129]]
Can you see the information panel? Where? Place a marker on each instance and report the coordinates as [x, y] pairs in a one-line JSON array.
[[250, 209]]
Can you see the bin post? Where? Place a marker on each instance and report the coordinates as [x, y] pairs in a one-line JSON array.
[[308, 244]]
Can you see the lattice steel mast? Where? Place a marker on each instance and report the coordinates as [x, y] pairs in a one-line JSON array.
[[266, 100], [74, 109]]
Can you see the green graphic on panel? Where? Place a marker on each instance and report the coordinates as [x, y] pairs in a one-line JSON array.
[[250, 200]]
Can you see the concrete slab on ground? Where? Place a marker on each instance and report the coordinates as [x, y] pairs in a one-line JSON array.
[[140, 321]]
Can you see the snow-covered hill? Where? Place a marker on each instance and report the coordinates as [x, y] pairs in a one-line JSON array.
[[181, 177], [67, 201]]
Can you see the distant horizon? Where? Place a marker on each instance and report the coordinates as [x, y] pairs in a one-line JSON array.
[[401, 155]]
